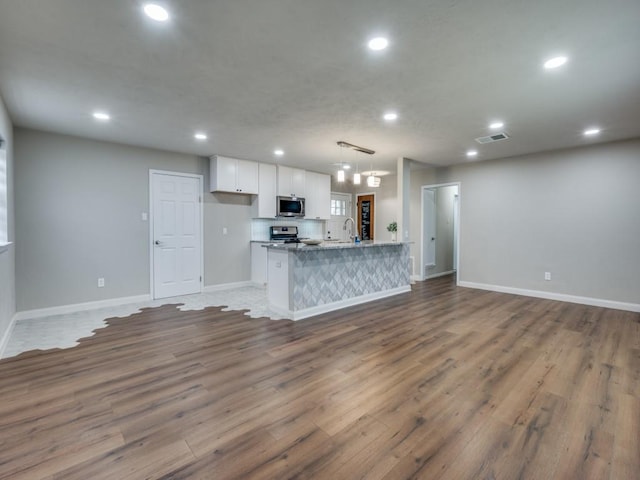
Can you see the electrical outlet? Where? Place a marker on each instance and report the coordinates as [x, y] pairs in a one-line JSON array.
[[100, 282], [224, 230], [547, 275], [144, 216]]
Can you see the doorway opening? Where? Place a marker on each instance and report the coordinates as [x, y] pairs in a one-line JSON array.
[[439, 239], [175, 231], [366, 213]]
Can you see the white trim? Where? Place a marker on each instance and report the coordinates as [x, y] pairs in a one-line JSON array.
[[375, 212], [562, 297], [7, 335], [330, 307], [5, 246], [441, 274], [112, 302], [151, 249], [416, 278], [456, 227], [80, 307], [228, 286]]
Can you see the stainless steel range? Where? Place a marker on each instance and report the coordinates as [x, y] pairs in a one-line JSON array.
[[284, 234]]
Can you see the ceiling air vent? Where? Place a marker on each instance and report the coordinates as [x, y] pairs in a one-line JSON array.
[[492, 138]]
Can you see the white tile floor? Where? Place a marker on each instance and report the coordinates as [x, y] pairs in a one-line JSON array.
[[63, 331]]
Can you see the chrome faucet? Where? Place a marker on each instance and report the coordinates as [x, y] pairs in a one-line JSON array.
[[353, 233]]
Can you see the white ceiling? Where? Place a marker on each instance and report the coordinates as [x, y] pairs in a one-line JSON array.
[[296, 74]]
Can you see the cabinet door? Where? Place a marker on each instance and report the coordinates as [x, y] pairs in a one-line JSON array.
[[298, 186], [318, 196], [266, 191], [247, 176], [284, 181], [258, 263], [223, 171], [323, 196]]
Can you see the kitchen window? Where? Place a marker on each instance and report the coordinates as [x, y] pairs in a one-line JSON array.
[[338, 207]]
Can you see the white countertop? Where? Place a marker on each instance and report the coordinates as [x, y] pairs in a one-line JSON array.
[[329, 245]]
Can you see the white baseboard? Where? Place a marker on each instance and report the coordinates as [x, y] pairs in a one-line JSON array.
[[330, 307], [112, 302], [79, 307], [7, 334], [227, 286], [595, 302]]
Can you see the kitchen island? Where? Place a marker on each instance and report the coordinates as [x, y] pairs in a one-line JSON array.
[[305, 280]]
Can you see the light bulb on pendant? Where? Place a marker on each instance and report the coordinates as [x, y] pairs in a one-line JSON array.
[[356, 176], [373, 181]]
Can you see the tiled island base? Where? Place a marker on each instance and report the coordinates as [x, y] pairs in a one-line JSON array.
[[304, 281]]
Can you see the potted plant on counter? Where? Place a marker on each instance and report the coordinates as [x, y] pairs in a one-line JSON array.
[[393, 228]]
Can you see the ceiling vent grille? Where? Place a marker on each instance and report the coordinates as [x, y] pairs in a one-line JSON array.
[[496, 137]]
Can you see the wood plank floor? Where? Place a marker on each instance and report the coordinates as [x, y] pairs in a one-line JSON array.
[[440, 383]]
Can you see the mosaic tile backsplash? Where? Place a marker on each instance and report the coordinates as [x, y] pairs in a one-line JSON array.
[[320, 276]]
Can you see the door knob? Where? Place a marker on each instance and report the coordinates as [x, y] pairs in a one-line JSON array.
[[157, 242]]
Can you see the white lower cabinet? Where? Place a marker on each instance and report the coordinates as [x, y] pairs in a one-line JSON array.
[[258, 263]]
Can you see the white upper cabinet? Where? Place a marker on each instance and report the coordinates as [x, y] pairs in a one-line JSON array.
[[267, 191], [291, 182], [233, 175], [318, 199]]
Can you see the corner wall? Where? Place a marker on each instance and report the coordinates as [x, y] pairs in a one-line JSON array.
[[78, 217], [574, 213], [7, 258]]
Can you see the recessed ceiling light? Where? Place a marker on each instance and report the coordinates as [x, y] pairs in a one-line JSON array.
[[378, 43], [390, 116], [496, 125], [555, 62], [472, 153], [101, 116], [200, 136], [591, 131], [278, 152], [156, 12]]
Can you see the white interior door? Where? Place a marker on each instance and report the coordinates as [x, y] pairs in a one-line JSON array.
[[429, 222], [340, 211], [176, 234]]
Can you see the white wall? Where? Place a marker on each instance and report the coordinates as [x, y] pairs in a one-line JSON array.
[[78, 217], [7, 258], [385, 202], [574, 213], [385, 205]]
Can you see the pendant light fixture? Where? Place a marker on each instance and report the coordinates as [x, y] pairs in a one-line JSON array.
[[373, 181], [356, 176], [341, 175]]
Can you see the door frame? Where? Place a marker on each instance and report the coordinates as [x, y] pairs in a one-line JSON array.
[[200, 179], [375, 211], [348, 209], [456, 227]]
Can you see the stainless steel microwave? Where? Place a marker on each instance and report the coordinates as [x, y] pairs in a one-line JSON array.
[[290, 207]]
